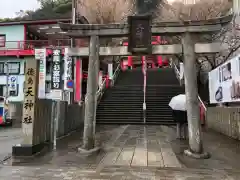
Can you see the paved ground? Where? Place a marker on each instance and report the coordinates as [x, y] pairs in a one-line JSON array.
[[132, 152], [8, 137]]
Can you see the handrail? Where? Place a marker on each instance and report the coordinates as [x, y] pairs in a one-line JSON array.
[[178, 76], [204, 106], [103, 85], [176, 69], [115, 74], [31, 44]]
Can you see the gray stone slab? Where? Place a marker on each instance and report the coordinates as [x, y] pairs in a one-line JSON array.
[[110, 158], [169, 158], [140, 157], [125, 157], [155, 159]]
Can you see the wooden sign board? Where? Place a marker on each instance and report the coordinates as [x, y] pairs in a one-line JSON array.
[[140, 35]]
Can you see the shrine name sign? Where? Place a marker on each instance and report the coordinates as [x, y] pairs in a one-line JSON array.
[[140, 35]]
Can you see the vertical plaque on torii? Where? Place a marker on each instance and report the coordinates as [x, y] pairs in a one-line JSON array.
[[140, 34]]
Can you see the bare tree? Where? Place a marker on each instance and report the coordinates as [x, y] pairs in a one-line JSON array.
[[202, 10], [98, 12], [106, 11]]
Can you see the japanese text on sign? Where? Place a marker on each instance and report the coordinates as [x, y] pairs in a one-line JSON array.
[[67, 71], [140, 34], [56, 70], [29, 96], [40, 55], [69, 68]]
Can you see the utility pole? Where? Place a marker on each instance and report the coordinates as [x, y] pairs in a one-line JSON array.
[[7, 79], [7, 91]]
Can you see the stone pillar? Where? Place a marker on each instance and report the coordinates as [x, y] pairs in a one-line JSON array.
[[91, 98], [30, 145], [193, 114], [236, 7]]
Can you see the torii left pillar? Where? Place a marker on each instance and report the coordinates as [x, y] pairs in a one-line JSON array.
[[29, 145]]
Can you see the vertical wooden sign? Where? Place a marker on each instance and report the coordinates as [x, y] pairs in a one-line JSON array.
[[56, 76], [30, 95], [140, 35]]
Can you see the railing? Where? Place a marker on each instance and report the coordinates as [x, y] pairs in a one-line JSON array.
[[32, 44], [115, 74], [180, 80], [102, 87]]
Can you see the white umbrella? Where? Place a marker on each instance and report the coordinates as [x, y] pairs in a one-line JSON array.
[[178, 102]]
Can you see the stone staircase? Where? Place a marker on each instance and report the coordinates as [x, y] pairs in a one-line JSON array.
[[162, 85], [123, 103]]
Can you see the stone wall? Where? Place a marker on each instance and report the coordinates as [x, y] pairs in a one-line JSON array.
[[42, 120], [71, 116], [225, 120]]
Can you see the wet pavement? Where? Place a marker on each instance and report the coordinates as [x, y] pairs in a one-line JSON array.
[[132, 152], [8, 137]]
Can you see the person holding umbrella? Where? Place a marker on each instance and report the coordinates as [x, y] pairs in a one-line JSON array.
[[178, 105]]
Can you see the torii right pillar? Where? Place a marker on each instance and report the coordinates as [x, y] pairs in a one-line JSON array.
[[193, 115]]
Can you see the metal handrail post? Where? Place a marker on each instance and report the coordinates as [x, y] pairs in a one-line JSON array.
[[144, 88]]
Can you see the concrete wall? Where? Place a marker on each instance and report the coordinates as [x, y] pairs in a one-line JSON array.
[[42, 121], [71, 117], [13, 34], [225, 120]]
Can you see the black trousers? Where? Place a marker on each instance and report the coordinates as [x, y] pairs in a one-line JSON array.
[[180, 116]]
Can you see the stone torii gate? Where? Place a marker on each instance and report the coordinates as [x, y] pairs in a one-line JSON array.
[[188, 47]]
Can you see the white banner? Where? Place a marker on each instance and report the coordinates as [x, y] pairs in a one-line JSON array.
[[40, 54], [68, 80], [224, 82]]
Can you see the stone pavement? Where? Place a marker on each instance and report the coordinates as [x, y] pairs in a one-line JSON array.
[[113, 173], [128, 152], [8, 137]]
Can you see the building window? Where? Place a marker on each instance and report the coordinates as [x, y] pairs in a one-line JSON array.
[[13, 68], [3, 90], [2, 40]]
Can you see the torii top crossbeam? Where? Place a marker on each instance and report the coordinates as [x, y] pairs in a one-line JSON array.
[[166, 28]]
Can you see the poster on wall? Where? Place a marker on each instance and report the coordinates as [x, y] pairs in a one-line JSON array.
[[13, 85], [40, 55], [224, 82]]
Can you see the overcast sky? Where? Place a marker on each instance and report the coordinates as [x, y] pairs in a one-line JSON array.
[[8, 8]]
